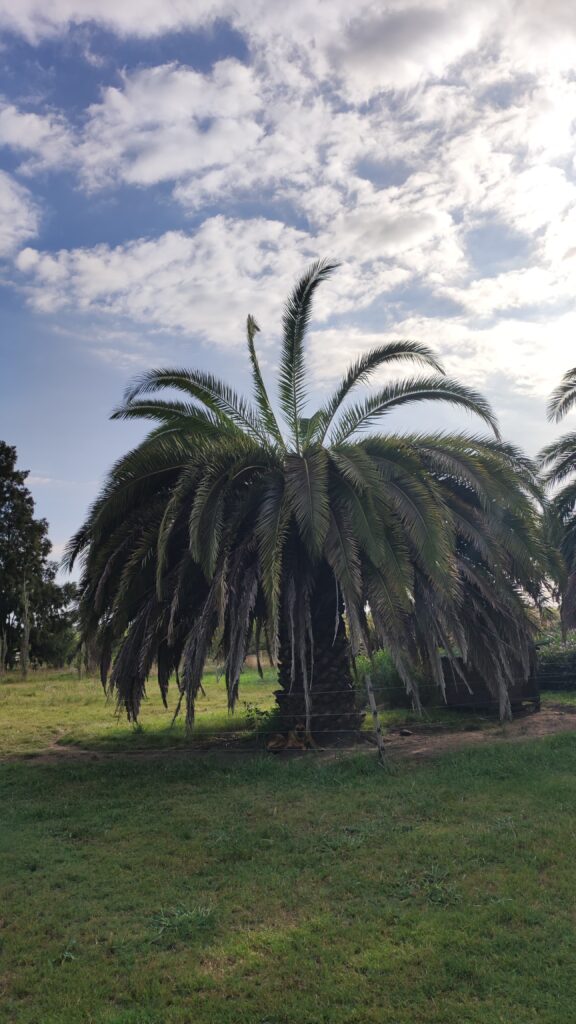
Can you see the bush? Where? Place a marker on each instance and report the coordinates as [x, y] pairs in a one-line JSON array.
[[556, 660], [388, 686]]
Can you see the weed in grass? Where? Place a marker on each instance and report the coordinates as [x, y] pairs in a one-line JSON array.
[[67, 955], [181, 924], [437, 888], [257, 719], [432, 885]]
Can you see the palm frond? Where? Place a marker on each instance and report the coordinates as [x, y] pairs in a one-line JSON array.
[[260, 392], [444, 389], [271, 531], [361, 371], [307, 492], [205, 388], [559, 458], [563, 398], [341, 551], [295, 321]]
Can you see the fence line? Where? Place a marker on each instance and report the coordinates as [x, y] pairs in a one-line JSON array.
[[266, 732]]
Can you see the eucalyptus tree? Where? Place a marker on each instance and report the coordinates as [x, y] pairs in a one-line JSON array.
[[315, 533], [558, 460]]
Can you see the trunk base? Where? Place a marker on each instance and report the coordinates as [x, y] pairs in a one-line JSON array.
[[335, 720], [334, 717]]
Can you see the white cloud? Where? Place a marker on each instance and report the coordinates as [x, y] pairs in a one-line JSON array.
[[512, 290], [204, 283], [530, 355], [388, 133], [375, 47], [36, 479], [36, 19], [46, 138], [396, 48], [544, 33], [19, 216], [238, 129], [169, 122]]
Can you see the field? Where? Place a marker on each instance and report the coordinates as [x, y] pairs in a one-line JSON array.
[[149, 884]]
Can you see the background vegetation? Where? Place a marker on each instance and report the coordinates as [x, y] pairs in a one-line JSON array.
[[36, 612]]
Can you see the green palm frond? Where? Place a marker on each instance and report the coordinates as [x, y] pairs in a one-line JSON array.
[[260, 392], [361, 371], [227, 468], [341, 551], [483, 464], [151, 467], [563, 398], [564, 501], [295, 320], [559, 458], [307, 492], [271, 531], [381, 541], [399, 393], [558, 461], [205, 388], [189, 419]]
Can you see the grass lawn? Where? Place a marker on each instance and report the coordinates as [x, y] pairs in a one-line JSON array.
[[240, 888]]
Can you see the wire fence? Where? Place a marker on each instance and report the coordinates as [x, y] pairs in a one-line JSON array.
[[258, 722], [272, 721]]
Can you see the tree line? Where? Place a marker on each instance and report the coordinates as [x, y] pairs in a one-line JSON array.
[[37, 614]]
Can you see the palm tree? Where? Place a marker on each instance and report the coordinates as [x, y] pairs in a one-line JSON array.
[[558, 461], [234, 520]]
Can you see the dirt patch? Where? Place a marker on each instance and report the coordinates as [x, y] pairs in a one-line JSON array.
[[425, 740]]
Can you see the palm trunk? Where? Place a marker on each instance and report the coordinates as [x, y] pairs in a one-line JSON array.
[[334, 715]]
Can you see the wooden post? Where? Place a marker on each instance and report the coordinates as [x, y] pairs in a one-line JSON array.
[[374, 710]]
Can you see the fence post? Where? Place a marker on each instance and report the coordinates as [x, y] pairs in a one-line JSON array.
[[374, 710]]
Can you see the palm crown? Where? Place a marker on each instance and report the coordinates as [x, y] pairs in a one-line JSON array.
[[229, 521], [558, 460]]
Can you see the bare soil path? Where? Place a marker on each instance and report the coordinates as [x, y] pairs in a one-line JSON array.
[[427, 740], [423, 740]]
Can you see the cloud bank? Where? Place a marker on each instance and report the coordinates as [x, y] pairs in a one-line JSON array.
[[430, 146]]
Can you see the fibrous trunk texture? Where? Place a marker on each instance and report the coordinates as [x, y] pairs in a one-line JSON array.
[[334, 717]]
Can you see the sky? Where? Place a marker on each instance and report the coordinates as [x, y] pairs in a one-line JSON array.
[[169, 166]]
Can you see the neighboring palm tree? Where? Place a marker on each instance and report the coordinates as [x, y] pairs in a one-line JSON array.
[[558, 460], [228, 524]]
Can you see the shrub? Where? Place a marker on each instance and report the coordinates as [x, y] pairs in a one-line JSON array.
[[388, 686], [556, 660]]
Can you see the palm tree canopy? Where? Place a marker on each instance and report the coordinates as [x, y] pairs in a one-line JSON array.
[[558, 462], [215, 526]]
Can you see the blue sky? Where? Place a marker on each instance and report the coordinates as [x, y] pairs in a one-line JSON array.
[[168, 166]]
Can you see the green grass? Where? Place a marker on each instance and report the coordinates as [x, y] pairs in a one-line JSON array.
[[567, 697], [244, 889], [62, 708]]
